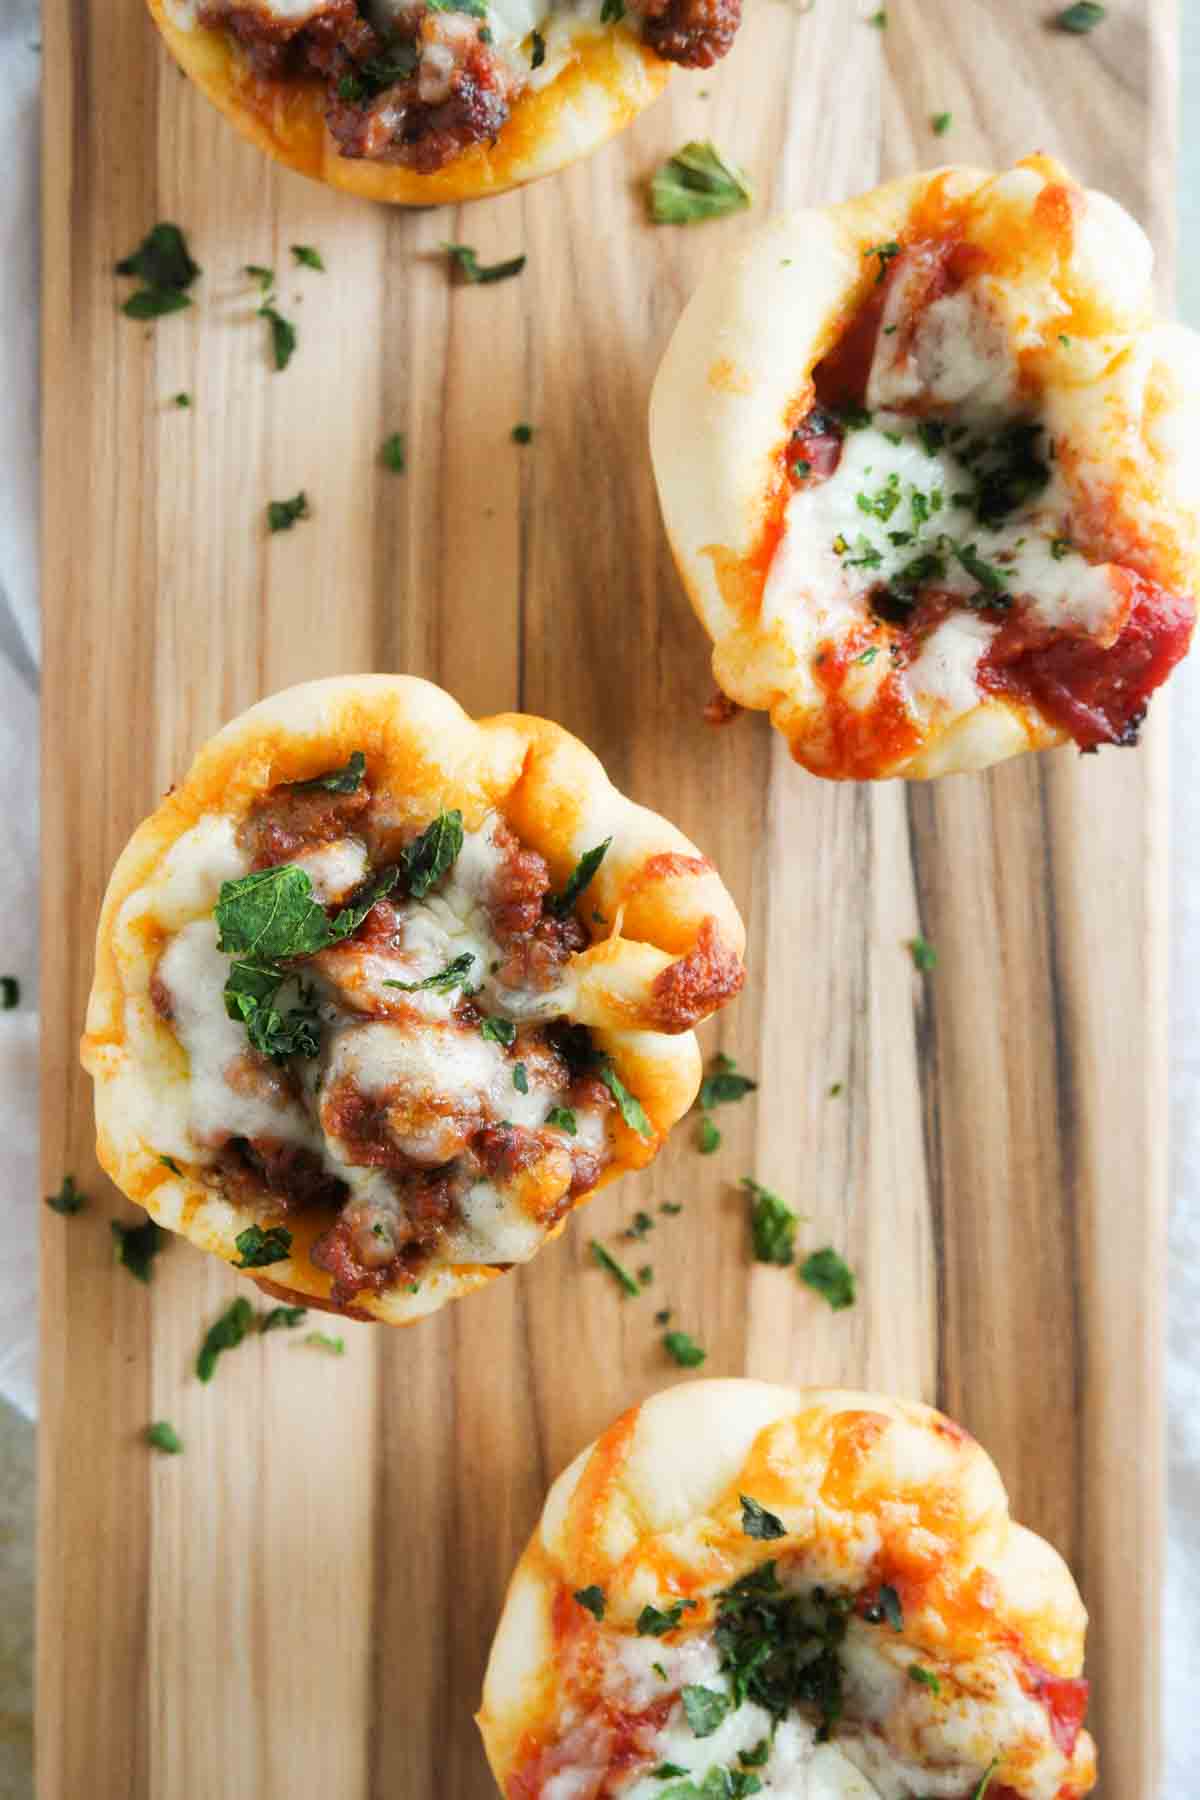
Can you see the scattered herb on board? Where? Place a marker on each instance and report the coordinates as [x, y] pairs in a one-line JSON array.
[[163, 1436], [226, 1334], [830, 1276], [723, 1084], [346, 780], [137, 1246], [264, 277], [923, 954], [522, 434], [473, 272], [283, 514], [683, 1349], [283, 335], [321, 1340], [606, 1261], [68, 1201], [307, 257], [654, 1621], [282, 1318], [393, 453], [696, 184], [879, 19], [592, 1600], [1082, 17], [645, 1275], [163, 264], [258, 1249], [579, 880], [181, 402], [641, 1226], [940, 123], [836, 1088], [757, 1522], [772, 1225], [709, 1138]]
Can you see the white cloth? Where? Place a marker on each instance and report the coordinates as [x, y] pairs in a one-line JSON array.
[[19, 1189]]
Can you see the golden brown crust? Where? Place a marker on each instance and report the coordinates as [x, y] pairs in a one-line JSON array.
[[425, 754], [613, 78]]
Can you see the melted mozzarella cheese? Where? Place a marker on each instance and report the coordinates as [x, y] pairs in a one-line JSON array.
[[335, 870]]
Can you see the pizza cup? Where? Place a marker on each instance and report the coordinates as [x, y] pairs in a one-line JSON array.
[[382, 992], [742, 1589], [930, 468], [423, 101]]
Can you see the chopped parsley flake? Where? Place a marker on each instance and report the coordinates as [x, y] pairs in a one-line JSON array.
[[642, 1224], [706, 1709], [683, 1349], [697, 184], [321, 1340], [393, 453], [831, 1277], [940, 123], [226, 1334], [520, 1078], [924, 1678], [757, 1522], [168, 1162], [456, 973], [537, 51], [986, 1783], [163, 264], [522, 434], [592, 1600], [282, 1318], [885, 253], [1082, 17], [283, 335], [258, 1249], [709, 1138], [264, 277], [563, 1118], [627, 1282], [283, 514], [923, 954], [652, 1622], [181, 402], [772, 1225], [68, 1201], [163, 1436], [628, 1105], [307, 257], [723, 1084], [879, 19], [835, 1088], [10, 993], [780, 1647], [473, 272], [498, 1031], [137, 1246]]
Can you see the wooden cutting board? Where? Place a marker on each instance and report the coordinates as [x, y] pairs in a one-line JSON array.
[[300, 1605]]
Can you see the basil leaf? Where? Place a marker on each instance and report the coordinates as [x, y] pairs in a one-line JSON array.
[[757, 1522], [685, 1350], [628, 1105], [258, 1249], [694, 184], [580, 878], [68, 1201], [706, 1709], [653, 1622], [164, 1437], [226, 1334], [271, 915], [464, 259], [592, 1598], [161, 260], [137, 1246], [828, 1275], [455, 974], [428, 857], [346, 780], [606, 1261], [283, 514], [772, 1225]]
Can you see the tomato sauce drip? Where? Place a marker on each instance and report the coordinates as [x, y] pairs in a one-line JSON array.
[[1097, 695], [1065, 1700], [860, 741]]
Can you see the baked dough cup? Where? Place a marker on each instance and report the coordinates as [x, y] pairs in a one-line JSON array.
[[818, 1591], [413, 1100], [930, 468], [600, 78]]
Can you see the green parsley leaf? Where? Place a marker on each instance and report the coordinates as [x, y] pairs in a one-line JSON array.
[[258, 1249], [155, 303], [695, 184], [455, 974], [393, 453], [346, 780], [1083, 17], [757, 1522], [321, 1340], [182, 402], [772, 1225], [684, 1349], [1060, 547], [663, 1317], [828, 1275], [780, 1648], [283, 514], [710, 1138], [651, 1622], [137, 1246], [249, 997], [520, 1078], [283, 335], [665, 1771], [564, 1119], [168, 1162], [706, 1709], [428, 857], [940, 123], [628, 1105], [537, 52], [579, 880], [879, 19], [757, 1757], [645, 1276], [475, 8], [886, 1606], [723, 1084], [271, 915], [885, 253], [498, 1031], [68, 1201], [606, 1261], [642, 1225], [671, 1206], [307, 257], [923, 954], [924, 1678], [164, 1437], [162, 260], [226, 1334], [869, 654], [835, 1088], [986, 1783], [592, 1599], [472, 271], [989, 578], [263, 276], [282, 1318], [522, 434]]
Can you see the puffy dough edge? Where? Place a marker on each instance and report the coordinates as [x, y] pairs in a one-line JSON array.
[[654, 885], [671, 1471], [730, 371], [613, 79]]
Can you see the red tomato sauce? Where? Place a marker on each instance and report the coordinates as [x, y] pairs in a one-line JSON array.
[[1065, 1700]]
